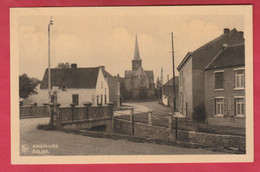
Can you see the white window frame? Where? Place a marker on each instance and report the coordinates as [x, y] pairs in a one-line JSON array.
[[218, 89], [239, 115], [242, 75], [216, 107]]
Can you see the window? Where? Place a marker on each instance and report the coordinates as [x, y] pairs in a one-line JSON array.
[[97, 99], [101, 84], [219, 80], [101, 99], [219, 106], [75, 99], [105, 99], [239, 79], [240, 107]]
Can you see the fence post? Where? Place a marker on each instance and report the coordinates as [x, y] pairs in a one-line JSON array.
[[111, 110], [132, 120], [33, 109], [150, 118], [88, 106], [170, 122], [72, 111], [111, 107]]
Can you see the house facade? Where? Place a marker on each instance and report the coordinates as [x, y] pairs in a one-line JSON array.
[[138, 83], [192, 74], [77, 86], [167, 93], [225, 87]]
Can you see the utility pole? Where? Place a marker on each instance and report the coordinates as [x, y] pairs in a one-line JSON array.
[[174, 96], [173, 77], [49, 60]]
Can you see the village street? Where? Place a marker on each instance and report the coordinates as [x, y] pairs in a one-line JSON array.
[[39, 142]]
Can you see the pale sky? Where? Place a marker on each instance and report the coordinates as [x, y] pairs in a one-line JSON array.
[[98, 36]]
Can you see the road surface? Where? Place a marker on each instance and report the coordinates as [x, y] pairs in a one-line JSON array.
[[40, 142]]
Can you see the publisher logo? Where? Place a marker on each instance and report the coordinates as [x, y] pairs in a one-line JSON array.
[[24, 148]]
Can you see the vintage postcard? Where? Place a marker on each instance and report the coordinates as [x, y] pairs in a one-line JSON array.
[[147, 84]]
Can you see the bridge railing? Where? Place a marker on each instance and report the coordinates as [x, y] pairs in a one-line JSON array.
[[34, 110], [75, 113]]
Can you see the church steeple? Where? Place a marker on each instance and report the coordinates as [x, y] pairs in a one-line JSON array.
[[137, 61], [137, 54]]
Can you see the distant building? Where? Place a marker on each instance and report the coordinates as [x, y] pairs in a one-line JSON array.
[[78, 86], [167, 93], [225, 86], [192, 74], [138, 83]]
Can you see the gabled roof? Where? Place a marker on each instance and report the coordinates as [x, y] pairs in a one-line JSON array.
[[129, 73], [170, 82], [148, 73], [204, 54], [229, 57], [71, 77], [140, 72]]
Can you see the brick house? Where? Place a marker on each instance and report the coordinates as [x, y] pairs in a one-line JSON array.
[[225, 86], [167, 92], [192, 73], [78, 86]]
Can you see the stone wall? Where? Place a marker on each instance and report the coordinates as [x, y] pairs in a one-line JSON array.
[[218, 142], [122, 126]]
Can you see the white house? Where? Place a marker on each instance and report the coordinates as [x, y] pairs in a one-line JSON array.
[[74, 85]]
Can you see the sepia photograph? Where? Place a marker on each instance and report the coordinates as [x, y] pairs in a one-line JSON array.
[[131, 84]]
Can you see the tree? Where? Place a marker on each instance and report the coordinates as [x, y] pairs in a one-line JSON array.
[[27, 86], [63, 65]]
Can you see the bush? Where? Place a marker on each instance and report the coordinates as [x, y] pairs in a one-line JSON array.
[[199, 113], [47, 127]]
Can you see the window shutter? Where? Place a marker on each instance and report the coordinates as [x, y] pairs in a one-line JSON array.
[[213, 106], [225, 106]]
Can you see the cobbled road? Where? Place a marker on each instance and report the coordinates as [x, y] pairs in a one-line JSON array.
[[36, 142]]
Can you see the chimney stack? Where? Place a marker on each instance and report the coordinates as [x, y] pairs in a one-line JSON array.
[[241, 34], [102, 67], [74, 65], [226, 31]]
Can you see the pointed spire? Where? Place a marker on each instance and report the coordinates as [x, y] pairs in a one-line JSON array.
[[136, 55]]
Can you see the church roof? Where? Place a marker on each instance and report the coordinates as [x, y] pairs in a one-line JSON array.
[[140, 72], [130, 73], [136, 54]]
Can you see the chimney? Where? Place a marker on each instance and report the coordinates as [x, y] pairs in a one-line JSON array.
[[225, 46], [226, 31], [74, 65], [102, 67], [241, 34]]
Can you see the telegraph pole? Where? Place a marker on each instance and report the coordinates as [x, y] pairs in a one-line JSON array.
[[173, 77], [174, 96], [49, 61]]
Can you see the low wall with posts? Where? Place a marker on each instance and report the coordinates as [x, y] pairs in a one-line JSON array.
[[34, 111], [168, 134], [86, 117]]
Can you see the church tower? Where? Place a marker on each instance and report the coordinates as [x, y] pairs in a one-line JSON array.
[[137, 61]]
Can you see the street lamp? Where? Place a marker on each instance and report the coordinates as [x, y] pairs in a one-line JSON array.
[[49, 60]]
